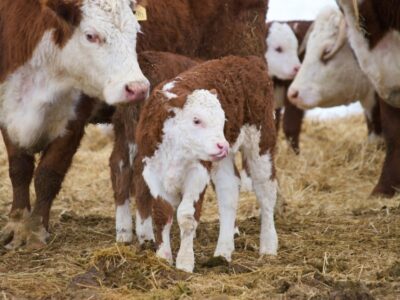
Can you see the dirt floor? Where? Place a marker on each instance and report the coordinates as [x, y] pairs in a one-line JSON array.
[[334, 241]]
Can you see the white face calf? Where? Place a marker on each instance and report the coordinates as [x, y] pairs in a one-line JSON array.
[[101, 55], [199, 127], [329, 74], [282, 46]]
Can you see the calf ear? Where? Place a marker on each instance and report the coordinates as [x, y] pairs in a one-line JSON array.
[[67, 10], [214, 92]]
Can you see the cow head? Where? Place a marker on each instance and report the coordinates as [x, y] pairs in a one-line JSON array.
[[329, 70], [100, 56], [282, 57], [199, 127]]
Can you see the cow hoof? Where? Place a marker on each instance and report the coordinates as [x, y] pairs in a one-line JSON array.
[[185, 262], [23, 230], [382, 191]]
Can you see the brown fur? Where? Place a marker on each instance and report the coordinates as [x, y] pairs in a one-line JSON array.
[[205, 29], [378, 17], [23, 23], [389, 181], [245, 93]]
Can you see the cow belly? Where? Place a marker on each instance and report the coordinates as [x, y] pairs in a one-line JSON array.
[[31, 111]]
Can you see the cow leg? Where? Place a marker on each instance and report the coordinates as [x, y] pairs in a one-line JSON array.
[[194, 186], [389, 180], [292, 121], [373, 119], [21, 166], [265, 188], [278, 114], [227, 188], [163, 214]]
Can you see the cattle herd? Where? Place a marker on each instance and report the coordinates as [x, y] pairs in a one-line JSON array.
[[186, 88]]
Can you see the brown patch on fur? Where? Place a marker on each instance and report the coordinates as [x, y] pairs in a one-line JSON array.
[[205, 29], [163, 213], [23, 23], [378, 17]]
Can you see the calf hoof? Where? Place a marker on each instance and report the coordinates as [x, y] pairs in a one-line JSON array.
[[185, 261], [124, 236], [225, 250], [23, 230], [165, 253], [269, 246]]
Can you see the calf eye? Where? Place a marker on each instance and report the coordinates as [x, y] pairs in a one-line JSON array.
[[93, 38], [278, 49], [196, 121]]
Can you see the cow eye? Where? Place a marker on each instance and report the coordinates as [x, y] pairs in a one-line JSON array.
[[278, 49], [196, 121]]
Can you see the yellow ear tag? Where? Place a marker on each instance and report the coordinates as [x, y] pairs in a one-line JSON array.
[[140, 13]]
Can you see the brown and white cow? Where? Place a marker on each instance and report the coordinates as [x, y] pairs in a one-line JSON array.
[[283, 50], [50, 52], [373, 29], [188, 133], [330, 75]]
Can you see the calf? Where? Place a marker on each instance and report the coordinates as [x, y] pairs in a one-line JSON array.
[[330, 76], [59, 49], [183, 141], [373, 31], [283, 40]]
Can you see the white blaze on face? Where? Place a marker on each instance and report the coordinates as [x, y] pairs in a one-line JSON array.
[[101, 55], [282, 47], [335, 81], [199, 127]]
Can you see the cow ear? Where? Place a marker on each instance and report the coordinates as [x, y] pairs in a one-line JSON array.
[[67, 10], [214, 92]]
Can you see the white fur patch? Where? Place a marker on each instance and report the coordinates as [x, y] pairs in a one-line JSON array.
[[164, 250], [123, 222], [168, 86], [144, 229], [132, 153]]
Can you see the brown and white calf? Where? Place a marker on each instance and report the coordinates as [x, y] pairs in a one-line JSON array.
[[50, 52], [330, 75], [188, 133], [283, 50], [157, 67], [373, 28]]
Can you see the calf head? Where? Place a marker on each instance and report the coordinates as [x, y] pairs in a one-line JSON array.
[[100, 56], [329, 70], [282, 55], [198, 127]]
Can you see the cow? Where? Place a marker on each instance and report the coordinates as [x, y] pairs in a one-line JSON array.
[[373, 31], [188, 133], [283, 49], [52, 51], [330, 75]]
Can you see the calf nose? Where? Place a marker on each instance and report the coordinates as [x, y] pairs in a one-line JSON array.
[[296, 70], [223, 146], [135, 91]]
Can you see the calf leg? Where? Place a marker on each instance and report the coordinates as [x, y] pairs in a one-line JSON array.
[[193, 190], [227, 188], [292, 121], [21, 166], [163, 214], [373, 119], [265, 188], [389, 180]]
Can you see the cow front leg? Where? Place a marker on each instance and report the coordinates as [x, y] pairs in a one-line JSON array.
[[292, 121], [163, 214], [188, 214], [21, 166], [389, 181]]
